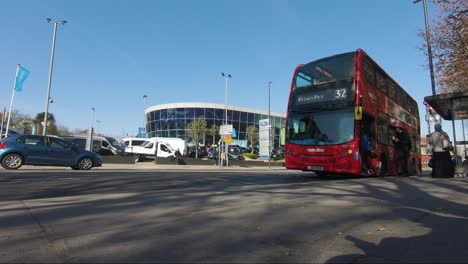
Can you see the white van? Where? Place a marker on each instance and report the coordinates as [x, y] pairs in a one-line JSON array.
[[101, 144], [166, 147], [131, 142]]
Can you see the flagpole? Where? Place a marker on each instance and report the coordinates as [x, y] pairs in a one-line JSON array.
[[11, 102]]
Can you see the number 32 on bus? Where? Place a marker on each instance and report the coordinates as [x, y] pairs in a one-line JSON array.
[[343, 111]]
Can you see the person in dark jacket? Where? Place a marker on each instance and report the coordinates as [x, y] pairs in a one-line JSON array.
[[403, 145]]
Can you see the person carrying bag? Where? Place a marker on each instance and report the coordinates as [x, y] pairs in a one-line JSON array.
[[440, 146]]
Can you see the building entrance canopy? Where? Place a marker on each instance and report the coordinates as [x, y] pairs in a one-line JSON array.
[[451, 106]]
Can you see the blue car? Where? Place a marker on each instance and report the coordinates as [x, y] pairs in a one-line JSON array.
[[17, 150]]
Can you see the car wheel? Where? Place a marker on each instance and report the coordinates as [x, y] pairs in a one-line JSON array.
[[139, 158], [12, 161], [85, 164]]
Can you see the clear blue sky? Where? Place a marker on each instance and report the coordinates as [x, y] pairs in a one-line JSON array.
[[111, 53]]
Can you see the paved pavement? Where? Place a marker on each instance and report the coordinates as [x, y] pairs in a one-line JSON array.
[[108, 215]]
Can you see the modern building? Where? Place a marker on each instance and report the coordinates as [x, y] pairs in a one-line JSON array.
[[171, 120]]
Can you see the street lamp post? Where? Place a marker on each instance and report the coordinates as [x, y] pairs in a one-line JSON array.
[[270, 141], [48, 99], [269, 124], [92, 122], [429, 49], [226, 77], [429, 53]]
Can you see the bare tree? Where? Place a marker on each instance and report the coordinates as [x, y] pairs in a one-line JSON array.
[[449, 45]]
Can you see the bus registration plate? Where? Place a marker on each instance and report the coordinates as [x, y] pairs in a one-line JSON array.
[[315, 168]]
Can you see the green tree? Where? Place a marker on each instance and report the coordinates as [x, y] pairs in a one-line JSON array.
[[449, 42], [252, 136], [196, 131], [51, 127], [213, 131]]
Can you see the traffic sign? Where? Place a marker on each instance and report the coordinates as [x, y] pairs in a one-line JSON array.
[[225, 130]]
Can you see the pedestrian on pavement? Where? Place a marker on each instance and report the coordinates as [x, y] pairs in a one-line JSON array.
[[440, 147], [178, 156], [403, 146]]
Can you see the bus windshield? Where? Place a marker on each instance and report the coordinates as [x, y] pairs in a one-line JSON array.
[[331, 69], [315, 128]]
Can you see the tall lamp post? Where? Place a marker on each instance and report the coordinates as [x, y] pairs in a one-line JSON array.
[[49, 99], [226, 77], [429, 49], [269, 124], [145, 97], [92, 122], [431, 65]]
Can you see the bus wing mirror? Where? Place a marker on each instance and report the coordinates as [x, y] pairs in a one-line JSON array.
[[358, 113]]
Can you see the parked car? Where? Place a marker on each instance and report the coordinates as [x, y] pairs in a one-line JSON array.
[[234, 153], [201, 152], [18, 150], [213, 154]]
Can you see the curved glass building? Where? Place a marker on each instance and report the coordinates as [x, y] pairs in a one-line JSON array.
[[171, 120]]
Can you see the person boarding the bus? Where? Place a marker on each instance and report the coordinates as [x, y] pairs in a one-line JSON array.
[[440, 146], [403, 145], [366, 148]]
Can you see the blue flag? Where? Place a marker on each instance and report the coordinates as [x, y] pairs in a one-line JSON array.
[[20, 77]]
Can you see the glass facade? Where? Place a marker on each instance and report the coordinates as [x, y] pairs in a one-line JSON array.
[[173, 122]]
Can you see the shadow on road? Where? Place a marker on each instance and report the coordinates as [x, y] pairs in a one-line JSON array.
[[445, 223], [252, 217]]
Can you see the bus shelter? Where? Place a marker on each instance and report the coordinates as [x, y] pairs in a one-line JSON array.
[[452, 106]]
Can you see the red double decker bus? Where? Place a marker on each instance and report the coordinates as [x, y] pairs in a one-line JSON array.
[[337, 100]]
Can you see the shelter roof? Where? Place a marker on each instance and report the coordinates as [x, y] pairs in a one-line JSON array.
[[450, 106]]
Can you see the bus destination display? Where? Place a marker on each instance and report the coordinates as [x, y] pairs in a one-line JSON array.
[[322, 95]]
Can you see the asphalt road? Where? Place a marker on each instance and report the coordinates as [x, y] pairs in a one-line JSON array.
[[215, 216]]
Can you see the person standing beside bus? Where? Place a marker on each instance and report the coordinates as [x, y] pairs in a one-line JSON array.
[[403, 145], [366, 148], [440, 147]]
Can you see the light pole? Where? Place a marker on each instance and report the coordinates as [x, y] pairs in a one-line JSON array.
[[269, 124], [226, 77], [429, 53], [429, 49], [48, 99], [145, 97], [92, 122]]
